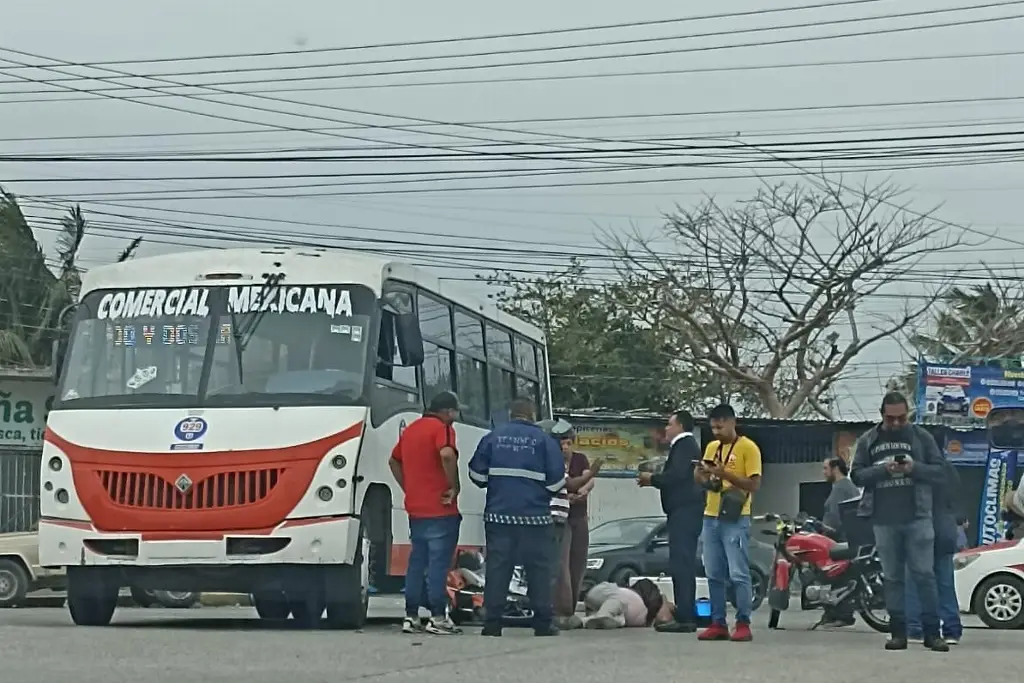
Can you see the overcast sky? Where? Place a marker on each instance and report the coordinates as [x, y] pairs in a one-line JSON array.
[[973, 190]]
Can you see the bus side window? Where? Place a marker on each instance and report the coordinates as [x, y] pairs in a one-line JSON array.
[[388, 357]]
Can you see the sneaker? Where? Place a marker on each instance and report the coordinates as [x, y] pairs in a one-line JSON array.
[[442, 626], [936, 644], [601, 623], [952, 641], [568, 623], [714, 632], [741, 634], [412, 625], [675, 627], [896, 643]]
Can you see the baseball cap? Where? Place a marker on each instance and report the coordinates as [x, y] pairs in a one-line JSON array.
[[560, 429], [446, 400]]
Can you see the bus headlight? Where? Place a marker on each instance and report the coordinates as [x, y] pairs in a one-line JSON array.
[[595, 562], [56, 464], [62, 496], [324, 493], [963, 561], [339, 462]]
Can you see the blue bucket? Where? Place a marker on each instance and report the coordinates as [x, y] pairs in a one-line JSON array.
[[704, 608]]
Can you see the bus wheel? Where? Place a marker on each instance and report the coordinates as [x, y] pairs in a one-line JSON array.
[[348, 591], [271, 605], [92, 596]]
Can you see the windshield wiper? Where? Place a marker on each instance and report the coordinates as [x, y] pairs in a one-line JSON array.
[[244, 336]]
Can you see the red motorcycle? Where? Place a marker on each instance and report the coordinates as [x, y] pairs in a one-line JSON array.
[[831, 574]]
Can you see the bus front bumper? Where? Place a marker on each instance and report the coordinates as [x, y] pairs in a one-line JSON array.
[[320, 540]]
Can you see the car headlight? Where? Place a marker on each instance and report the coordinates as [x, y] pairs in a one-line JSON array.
[[595, 562], [962, 561]]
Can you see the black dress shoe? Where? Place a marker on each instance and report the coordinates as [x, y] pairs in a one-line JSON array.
[[936, 644], [676, 627], [493, 631], [549, 630]]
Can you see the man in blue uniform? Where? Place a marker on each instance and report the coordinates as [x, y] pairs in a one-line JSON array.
[[522, 468]]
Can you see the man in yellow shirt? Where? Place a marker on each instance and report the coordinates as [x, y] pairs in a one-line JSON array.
[[731, 472]]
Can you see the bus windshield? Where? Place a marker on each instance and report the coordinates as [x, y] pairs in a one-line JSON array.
[[218, 346]]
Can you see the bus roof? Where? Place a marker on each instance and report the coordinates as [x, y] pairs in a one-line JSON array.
[[317, 265]]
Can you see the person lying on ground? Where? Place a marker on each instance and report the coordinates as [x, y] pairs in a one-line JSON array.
[[611, 606]]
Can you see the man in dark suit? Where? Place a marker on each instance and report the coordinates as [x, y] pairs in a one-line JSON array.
[[682, 499]]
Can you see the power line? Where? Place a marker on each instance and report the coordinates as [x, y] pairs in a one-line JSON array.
[[602, 44], [707, 144], [273, 111], [154, 196], [177, 85], [566, 119], [491, 36], [759, 66]]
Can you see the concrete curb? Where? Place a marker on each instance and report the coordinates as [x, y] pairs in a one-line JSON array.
[[224, 600]]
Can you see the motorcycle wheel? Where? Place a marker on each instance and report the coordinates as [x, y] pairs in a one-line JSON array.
[[872, 615], [773, 619]]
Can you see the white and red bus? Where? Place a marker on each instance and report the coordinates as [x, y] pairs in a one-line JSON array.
[[224, 419]]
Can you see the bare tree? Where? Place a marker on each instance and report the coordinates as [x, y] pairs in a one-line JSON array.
[[773, 292]]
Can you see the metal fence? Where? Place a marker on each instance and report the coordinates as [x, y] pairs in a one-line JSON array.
[[19, 489]]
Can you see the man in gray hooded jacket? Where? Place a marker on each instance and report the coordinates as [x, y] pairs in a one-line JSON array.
[[897, 464]]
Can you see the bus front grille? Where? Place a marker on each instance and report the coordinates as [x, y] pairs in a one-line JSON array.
[[147, 491]]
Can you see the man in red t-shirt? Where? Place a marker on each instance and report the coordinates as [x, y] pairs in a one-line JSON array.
[[425, 464]]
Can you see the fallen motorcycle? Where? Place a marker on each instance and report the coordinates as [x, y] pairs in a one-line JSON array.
[[466, 592]]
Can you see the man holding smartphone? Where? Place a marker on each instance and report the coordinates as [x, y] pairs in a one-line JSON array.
[[898, 464]]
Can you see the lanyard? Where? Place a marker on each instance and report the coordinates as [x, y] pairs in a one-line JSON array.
[[724, 462]]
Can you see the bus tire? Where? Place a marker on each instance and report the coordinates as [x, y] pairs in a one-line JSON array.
[[307, 604], [271, 605], [348, 594], [92, 596]]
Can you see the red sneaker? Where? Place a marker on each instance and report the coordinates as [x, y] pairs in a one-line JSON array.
[[715, 632], [741, 634]]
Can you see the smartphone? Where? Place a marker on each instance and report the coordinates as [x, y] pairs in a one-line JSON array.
[[899, 459]]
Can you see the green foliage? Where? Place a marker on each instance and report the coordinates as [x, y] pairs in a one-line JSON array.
[[32, 296], [600, 353]]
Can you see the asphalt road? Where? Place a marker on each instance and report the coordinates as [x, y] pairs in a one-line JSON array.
[[228, 644]]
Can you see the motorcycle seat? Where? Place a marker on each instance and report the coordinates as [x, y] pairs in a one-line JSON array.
[[842, 551]]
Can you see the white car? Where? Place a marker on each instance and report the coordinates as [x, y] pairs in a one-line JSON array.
[[990, 583]]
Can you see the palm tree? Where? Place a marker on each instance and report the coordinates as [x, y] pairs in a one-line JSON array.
[[983, 322], [980, 325], [32, 296]]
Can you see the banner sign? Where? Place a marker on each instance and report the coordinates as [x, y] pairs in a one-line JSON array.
[[969, 448], [24, 406], [1000, 473], [964, 395], [625, 448]]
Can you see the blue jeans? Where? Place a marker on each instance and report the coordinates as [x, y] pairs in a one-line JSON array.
[[909, 550], [949, 609], [434, 540], [727, 560]]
